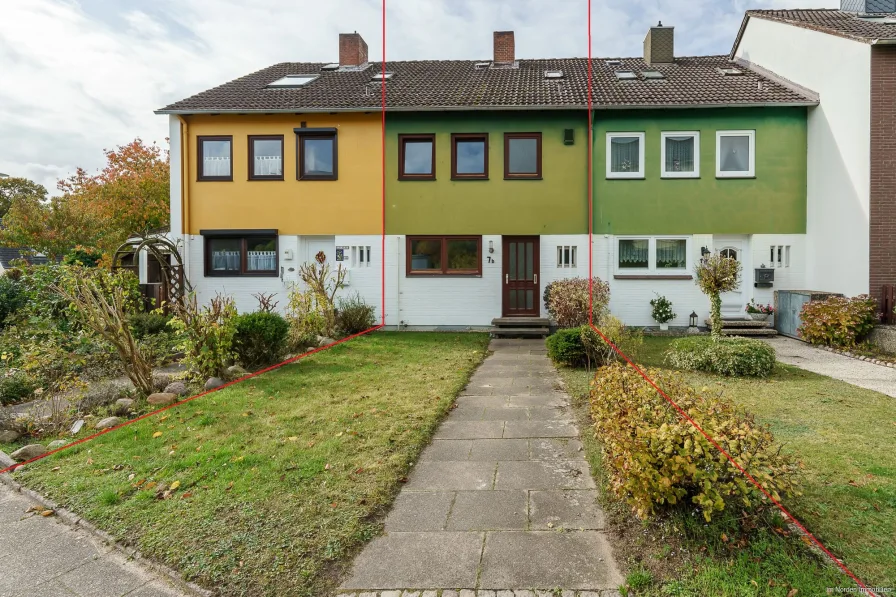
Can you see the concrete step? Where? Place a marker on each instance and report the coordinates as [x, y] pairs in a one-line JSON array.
[[749, 331], [520, 322], [742, 323], [503, 332]]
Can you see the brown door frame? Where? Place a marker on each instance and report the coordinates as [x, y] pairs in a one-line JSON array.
[[507, 284]]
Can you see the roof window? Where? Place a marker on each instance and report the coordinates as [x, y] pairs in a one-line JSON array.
[[482, 65], [614, 63], [553, 74], [623, 75], [380, 76], [652, 74], [331, 66], [730, 71], [293, 81]]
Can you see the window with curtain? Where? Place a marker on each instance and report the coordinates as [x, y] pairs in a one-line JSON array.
[[266, 157], [215, 156], [671, 253], [241, 255], [681, 155], [735, 154], [652, 257], [625, 155], [634, 253]]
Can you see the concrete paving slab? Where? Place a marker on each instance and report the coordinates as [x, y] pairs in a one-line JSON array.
[[500, 449], [50, 588], [470, 430], [554, 428], [570, 474], [464, 401], [447, 476], [545, 413], [419, 511], [100, 578], [432, 560], [547, 559], [545, 399], [570, 509], [447, 449], [505, 413], [564, 448], [488, 510]]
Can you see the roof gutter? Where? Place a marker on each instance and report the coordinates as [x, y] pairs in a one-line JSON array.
[[807, 103], [888, 41]]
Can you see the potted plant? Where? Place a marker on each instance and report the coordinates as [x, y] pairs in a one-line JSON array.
[[662, 311], [759, 312]]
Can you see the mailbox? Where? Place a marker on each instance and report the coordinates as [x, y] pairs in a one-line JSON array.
[[763, 277]]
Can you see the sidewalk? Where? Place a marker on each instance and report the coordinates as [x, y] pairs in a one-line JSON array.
[[852, 371], [43, 557], [502, 499]]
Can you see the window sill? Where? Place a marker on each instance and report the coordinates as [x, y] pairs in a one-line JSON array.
[[471, 178], [263, 178], [216, 179], [416, 179], [523, 178], [735, 176], [673, 177], [639, 177], [415, 275], [653, 277], [238, 275]]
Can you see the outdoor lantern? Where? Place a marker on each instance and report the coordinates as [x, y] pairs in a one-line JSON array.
[[693, 319], [491, 246], [704, 251]]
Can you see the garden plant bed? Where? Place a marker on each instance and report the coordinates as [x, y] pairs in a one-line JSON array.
[[269, 486], [844, 437]]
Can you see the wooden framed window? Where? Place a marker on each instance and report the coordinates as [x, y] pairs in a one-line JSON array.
[[469, 156], [444, 255], [417, 157], [240, 253], [265, 157], [317, 154], [522, 156], [214, 155]]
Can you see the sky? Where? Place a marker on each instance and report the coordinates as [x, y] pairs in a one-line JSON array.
[[80, 76]]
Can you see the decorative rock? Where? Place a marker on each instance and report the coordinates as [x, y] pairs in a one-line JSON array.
[[236, 372], [79, 424], [123, 406], [28, 452], [161, 399], [214, 382], [324, 341], [56, 444], [107, 423], [178, 388], [8, 436]]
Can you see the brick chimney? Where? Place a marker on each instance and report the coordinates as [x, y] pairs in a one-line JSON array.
[[504, 47], [352, 49], [659, 45]]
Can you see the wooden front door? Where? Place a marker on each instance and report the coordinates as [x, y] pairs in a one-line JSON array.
[[520, 280]]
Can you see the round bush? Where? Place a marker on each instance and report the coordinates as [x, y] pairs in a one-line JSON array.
[[12, 298], [737, 357], [260, 338], [149, 324], [354, 316], [565, 347], [15, 387]]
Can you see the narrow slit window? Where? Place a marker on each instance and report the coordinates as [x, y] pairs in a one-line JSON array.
[[566, 256]]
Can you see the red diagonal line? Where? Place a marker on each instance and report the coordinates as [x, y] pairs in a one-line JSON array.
[[9, 469]]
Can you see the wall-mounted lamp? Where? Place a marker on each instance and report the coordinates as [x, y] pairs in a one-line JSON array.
[[491, 246], [704, 251]]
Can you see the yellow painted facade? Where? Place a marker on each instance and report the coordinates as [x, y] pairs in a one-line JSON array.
[[350, 205]]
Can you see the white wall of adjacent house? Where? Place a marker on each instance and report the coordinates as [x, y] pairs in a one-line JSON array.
[[839, 70]]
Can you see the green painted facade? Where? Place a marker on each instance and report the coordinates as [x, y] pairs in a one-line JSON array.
[[774, 202], [556, 204]]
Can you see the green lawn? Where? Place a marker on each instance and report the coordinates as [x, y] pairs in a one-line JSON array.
[[270, 486], [846, 439]]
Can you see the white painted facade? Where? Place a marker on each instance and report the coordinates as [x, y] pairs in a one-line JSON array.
[[839, 145]]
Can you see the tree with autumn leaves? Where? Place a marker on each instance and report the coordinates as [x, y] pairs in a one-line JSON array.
[[98, 212]]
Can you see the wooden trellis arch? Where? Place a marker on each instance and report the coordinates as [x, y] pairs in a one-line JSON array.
[[173, 285]]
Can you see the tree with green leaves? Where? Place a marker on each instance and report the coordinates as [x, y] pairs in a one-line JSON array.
[[15, 189]]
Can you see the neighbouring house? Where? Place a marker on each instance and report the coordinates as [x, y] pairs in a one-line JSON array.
[[486, 183], [848, 57], [8, 256]]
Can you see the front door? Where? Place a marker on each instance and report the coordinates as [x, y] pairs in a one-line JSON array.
[[734, 303], [520, 297]]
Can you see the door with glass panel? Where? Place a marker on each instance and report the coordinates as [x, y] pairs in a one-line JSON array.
[[734, 247], [521, 297]]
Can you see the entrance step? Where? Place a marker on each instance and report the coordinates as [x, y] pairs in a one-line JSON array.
[[746, 327], [517, 327], [503, 332], [521, 322], [749, 331]]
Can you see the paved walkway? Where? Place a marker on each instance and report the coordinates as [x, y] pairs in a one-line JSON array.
[[502, 499], [44, 557], [852, 371]]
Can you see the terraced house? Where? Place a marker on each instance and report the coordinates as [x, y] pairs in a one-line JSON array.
[[486, 179]]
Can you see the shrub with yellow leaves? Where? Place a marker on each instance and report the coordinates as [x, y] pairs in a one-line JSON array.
[[657, 460]]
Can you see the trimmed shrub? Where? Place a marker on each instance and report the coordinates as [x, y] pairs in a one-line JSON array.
[[567, 300], [656, 460], [12, 298], [149, 324], [838, 321], [15, 386], [565, 347], [598, 353], [260, 338], [354, 316], [738, 357]]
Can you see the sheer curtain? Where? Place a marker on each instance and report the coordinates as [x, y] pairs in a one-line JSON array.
[[624, 154], [671, 253], [226, 260], [261, 260], [215, 166], [634, 253], [679, 154], [268, 165]]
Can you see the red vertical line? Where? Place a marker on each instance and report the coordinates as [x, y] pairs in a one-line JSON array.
[[590, 184], [383, 150]]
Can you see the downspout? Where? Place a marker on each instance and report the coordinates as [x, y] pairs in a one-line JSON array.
[[184, 192]]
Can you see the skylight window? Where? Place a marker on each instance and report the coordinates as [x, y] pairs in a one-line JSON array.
[[331, 66], [293, 81], [380, 76], [553, 74], [623, 75], [614, 62], [652, 74], [731, 72], [482, 65]]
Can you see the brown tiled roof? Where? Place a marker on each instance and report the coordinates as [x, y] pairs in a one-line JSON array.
[[835, 22], [459, 85]]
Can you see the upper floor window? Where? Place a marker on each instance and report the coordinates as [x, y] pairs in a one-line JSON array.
[[265, 157], [444, 255], [215, 157], [522, 155], [240, 254], [469, 156], [417, 157], [680, 155], [735, 154], [318, 155], [625, 155]]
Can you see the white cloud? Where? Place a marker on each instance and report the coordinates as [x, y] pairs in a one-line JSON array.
[[77, 77]]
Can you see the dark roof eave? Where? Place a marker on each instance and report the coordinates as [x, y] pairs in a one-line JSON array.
[[378, 109], [806, 103], [810, 27]]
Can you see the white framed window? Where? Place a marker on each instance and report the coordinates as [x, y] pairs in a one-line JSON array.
[[735, 154], [680, 154], [653, 255], [625, 155], [361, 256], [566, 256], [779, 256]]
